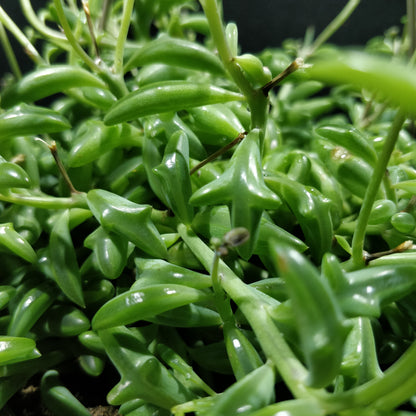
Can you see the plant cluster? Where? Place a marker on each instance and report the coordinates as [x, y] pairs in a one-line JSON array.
[[232, 234]]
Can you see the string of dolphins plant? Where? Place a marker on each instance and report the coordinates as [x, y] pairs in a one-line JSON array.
[[215, 233]]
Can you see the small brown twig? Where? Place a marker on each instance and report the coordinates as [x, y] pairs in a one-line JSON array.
[[86, 8], [54, 151], [406, 245], [294, 66], [218, 153]]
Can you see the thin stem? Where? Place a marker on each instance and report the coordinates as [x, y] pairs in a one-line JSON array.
[[121, 40], [86, 8], [54, 150], [411, 26], [218, 153], [222, 302], [255, 98], [40, 200], [294, 66], [52, 35], [20, 37], [104, 16], [406, 245], [71, 38], [336, 23], [371, 193], [8, 50]]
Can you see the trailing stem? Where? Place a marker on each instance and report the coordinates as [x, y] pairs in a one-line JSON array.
[[257, 101], [20, 37], [52, 35], [371, 192], [258, 312], [115, 82], [11, 57], [121, 40], [335, 24]]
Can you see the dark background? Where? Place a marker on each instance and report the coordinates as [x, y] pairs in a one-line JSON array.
[[266, 23]]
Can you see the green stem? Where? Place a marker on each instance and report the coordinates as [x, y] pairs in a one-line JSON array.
[[221, 300], [336, 23], [411, 26], [20, 37], [256, 100], [52, 35], [8, 50], [121, 40], [72, 40], [371, 193], [102, 24], [40, 200], [257, 310], [115, 82]]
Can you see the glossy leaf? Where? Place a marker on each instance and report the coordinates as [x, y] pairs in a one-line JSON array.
[[174, 177], [136, 305], [58, 398], [92, 140], [155, 271], [47, 81], [110, 251], [320, 323], [367, 290], [62, 321], [13, 176], [177, 52], [216, 119], [242, 188], [188, 316], [351, 139], [12, 240], [63, 260], [121, 216], [243, 357], [33, 303], [30, 120], [17, 349], [142, 375], [166, 96], [250, 393], [311, 209]]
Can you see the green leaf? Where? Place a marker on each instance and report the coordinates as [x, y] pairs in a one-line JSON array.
[[47, 81], [63, 260], [366, 291], [393, 81], [142, 375], [320, 323], [13, 241], [17, 349], [167, 96], [174, 177], [242, 188], [311, 209], [58, 398], [136, 305], [176, 52], [131, 220]]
